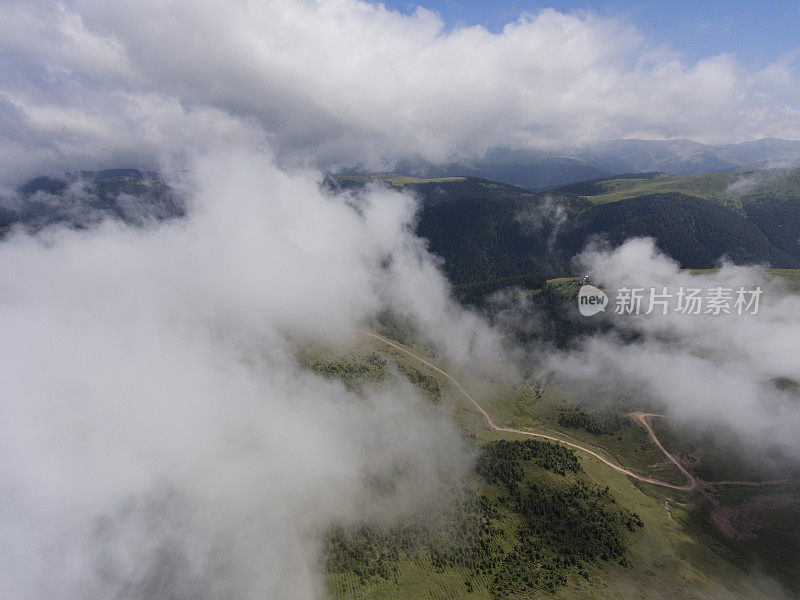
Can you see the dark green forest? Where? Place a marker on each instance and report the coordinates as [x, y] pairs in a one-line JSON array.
[[532, 494], [693, 231], [505, 237]]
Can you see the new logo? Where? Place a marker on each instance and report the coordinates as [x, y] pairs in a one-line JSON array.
[[591, 300]]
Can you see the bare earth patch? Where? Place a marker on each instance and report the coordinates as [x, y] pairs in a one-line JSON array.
[[741, 522]]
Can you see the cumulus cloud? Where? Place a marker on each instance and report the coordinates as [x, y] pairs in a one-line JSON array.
[[738, 372], [343, 82], [158, 439]]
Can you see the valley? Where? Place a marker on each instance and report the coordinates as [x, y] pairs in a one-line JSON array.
[[679, 535]]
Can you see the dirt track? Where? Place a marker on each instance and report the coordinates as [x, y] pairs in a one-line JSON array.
[[639, 417], [644, 420]]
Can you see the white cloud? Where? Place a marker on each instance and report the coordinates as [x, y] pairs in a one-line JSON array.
[[708, 370], [157, 438], [344, 81]]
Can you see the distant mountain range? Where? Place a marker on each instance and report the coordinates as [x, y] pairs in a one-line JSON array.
[[538, 170]]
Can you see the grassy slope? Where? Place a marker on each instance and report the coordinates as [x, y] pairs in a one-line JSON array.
[[725, 188], [709, 186], [394, 179], [679, 553]]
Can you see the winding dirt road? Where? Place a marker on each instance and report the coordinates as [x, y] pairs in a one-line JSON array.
[[641, 418]]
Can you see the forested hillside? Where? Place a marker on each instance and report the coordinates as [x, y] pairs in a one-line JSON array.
[[83, 199], [491, 238], [695, 232], [490, 232]]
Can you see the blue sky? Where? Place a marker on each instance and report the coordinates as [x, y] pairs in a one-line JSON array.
[[757, 32]]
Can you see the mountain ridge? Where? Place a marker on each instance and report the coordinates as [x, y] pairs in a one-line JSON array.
[[539, 169]]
